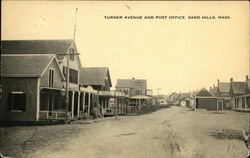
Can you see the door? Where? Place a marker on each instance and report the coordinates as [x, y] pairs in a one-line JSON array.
[[219, 104]]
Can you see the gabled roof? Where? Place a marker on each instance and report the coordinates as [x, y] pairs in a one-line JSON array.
[[131, 83], [37, 47], [204, 93], [224, 86], [239, 87], [173, 95], [94, 76], [26, 65], [184, 95], [214, 90]]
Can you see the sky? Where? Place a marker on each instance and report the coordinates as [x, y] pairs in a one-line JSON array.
[[175, 55]]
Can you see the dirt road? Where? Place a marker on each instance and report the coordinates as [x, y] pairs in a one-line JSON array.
[[175, 132]]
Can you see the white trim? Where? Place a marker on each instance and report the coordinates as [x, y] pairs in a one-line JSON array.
[[217, 105], [38, 99], [15, 92], [16, 110], [54, 57]]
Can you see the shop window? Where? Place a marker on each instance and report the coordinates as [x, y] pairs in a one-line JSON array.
[[16, 101], [51, 77]]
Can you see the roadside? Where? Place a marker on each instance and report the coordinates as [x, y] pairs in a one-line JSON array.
[[174, 132]]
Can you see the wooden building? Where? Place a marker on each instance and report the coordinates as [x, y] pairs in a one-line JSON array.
[[136, 90], [99, 79], [65, 51], [206, 100], [32, 88]]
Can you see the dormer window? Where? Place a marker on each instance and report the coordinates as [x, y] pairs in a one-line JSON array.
[[72, 54]]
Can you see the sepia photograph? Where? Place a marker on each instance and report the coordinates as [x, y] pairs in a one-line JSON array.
[[125, 79]]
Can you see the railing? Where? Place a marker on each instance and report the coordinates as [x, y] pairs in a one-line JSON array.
[[53, 115], [242, 109]]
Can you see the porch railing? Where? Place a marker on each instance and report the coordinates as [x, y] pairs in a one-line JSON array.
[[56, 115]]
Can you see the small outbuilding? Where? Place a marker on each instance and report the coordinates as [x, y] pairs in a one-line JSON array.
[[206, 100]]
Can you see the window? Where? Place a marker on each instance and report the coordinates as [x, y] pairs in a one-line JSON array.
[[16, 101], [51, 77], [73, 76], [72, 54]]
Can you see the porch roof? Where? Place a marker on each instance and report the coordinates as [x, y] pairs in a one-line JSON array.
[[140, 97], [52, 88]]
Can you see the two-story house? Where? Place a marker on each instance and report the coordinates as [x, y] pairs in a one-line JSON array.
[[135, 89], [66, 54]]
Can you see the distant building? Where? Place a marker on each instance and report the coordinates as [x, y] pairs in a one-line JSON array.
[[99, 79], [206, 100], [136, 90], [233, 94]]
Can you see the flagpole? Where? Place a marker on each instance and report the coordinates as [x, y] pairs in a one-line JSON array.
[[67, 76]]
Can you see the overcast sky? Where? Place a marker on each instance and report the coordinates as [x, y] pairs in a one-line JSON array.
[[172, 54]]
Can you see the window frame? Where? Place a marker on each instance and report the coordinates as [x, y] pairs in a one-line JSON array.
[[12, 106], [72, 54], [51, 79]]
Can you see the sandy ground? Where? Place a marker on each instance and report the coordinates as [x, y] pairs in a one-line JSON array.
[[175, 132]]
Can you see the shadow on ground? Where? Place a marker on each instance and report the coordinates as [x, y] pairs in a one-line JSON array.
[[228, 134]]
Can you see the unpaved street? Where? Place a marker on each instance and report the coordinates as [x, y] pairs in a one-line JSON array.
[[174, 132]]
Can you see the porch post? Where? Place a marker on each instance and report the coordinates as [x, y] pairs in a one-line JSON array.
[[38, 91], [246, 102], [78, 104], [89, 103], [72, 104], [139, 104], [83, 101]]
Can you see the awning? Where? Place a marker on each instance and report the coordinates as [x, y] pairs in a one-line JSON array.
[[140, 97], [88, 90]]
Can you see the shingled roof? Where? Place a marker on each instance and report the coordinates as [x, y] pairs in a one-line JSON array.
[[204, 93], [131, 83], [36, 47], [239, 87], [224, 87], [25, 65], [94, 76]]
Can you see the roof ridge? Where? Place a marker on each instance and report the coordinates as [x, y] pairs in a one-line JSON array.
[[39, 39], [27, 54]]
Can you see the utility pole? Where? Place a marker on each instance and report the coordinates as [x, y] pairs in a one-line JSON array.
[[67, 75]]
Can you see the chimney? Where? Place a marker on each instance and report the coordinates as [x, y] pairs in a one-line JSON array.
[[246, 77], [218, 81], [133, 78], [231, 79]]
